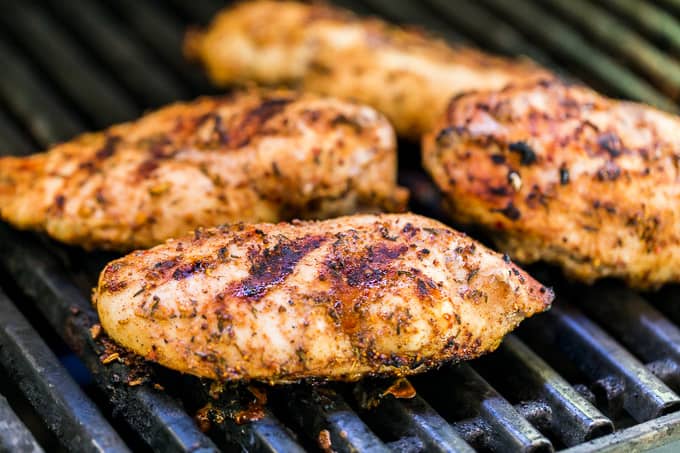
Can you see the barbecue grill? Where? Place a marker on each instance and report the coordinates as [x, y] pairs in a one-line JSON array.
[[600, 371]]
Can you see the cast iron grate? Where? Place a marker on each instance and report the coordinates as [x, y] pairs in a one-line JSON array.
[[604, 359]]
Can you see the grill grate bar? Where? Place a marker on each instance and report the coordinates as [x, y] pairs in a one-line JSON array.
[[563, 39], [157, 417], [22, 92], [267, 434], [504, 427], [573, 419], [643, 437], [673, 5], [198, 10], [49, 388], [65, 64], [654, 20], [164, 34], [415, 416], [639, 326], [264, 435], [270, 435], [14, 436], [12, 138], [484, 27], [622, 40], [357, 6], [601, 358], [316, 409], [129, 61], [413, 12]]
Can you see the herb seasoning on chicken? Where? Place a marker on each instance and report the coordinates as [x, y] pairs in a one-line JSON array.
[[391, 294], [404, 73], [250, 156], [560, 173]]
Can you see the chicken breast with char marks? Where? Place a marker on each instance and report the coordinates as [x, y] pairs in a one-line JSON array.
[[251, 156], [560, 173], [390, 294], [406, 74]]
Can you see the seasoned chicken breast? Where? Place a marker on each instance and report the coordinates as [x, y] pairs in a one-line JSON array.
[[405, 74], [336, 299], [560, 173], [251, 156]]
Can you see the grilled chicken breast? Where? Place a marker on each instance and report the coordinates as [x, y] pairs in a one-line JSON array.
[[335, 299], [405, 74], [560, 173], [251, 156]]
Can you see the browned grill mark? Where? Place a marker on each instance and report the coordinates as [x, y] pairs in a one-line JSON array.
[[109, 148], [162, 270], [114, 285], [186, 270], [146, 168], [354, 271], [243, 131], [218, 134], [273, 265], [365, 269], [159, 147]]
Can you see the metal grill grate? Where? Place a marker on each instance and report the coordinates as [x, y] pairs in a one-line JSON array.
[[603, 359]]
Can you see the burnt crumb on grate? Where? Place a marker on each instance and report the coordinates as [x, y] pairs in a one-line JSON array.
[[135, 370], [324, 441], [238, 403]]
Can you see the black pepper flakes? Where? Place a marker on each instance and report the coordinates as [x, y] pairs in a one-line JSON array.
[[443, 135], [499, 191], [498, 159], [609, 172], [564, 176], [59, 202], [510, 211], [611, 143], [526, 153]]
